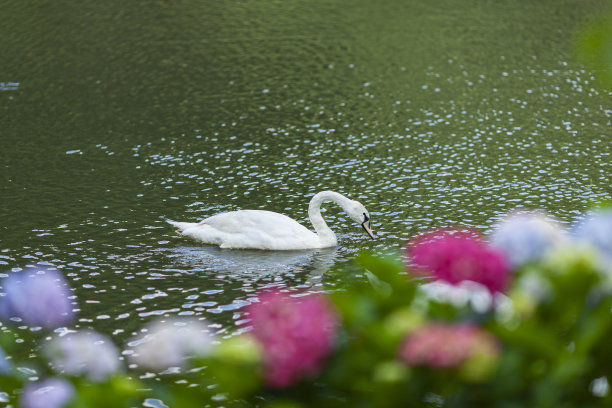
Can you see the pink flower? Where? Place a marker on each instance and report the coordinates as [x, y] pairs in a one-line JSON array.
[[295, 333], [459, 256], [440, 345]]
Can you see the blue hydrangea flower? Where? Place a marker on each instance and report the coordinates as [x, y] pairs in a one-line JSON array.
[[39, 297], [526, 237], [49, 393], [5, 364], [596, 229], [84, 352]]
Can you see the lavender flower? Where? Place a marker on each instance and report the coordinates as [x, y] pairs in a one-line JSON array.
[[84, 353], [296, 335], [5, 365], [596, 229], [49, 393], [39, 297], [526, 237], [171, 343]]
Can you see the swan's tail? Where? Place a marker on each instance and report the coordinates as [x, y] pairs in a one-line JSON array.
[[182, 226]]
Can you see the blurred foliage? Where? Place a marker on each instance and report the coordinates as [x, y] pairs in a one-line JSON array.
[[594, 48], [554, 348]]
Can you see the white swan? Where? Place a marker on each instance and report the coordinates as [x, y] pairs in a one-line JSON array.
[[258, 229]]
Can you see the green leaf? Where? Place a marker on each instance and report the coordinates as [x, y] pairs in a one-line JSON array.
[[381, 287]]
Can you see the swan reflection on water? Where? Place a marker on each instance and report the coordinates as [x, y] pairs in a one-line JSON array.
[[255, 263]]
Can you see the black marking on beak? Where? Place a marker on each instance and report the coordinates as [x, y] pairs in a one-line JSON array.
[[366, 226]]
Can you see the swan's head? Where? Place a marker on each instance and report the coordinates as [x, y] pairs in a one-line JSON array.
[[359, 214]]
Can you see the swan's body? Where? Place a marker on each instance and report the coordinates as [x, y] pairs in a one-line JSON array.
[[259, 229]]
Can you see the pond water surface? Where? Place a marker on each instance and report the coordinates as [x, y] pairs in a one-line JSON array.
[[116, 116]]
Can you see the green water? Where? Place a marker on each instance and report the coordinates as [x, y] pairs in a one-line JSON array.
[[117, 115]]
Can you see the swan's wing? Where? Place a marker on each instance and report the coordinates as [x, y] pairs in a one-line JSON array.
[[260, 221]]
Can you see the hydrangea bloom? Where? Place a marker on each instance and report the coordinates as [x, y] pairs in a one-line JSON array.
[[84, 352], [525, 237], [596, 230], [459, 256], [462, 294], [5, 365], [39, 297], [440, 345], [49, 393], [295, 333], [170, 343]]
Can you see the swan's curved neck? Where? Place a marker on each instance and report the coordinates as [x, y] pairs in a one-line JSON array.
[[326, 235]]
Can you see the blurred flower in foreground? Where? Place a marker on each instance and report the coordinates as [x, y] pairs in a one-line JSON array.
[[49, 393], [170, 343], [39, 297], [85, 352], [526, 236], [5, 365], [596, 230], [440, 345], [459, 256], [462, 294], [296, 334]]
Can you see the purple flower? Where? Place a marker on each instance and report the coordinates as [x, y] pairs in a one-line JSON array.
[[296, 334], [459, 256], [5, 365], [596, 230], [84, 353], [49, 393], [525, 237], [39, 297], [170, 343], [444, 345]]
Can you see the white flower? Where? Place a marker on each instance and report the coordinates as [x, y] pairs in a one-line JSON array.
[[526, 236], [84, 352], [477, 296], [170, 343]]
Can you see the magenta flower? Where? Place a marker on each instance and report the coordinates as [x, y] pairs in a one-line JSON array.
[[296, 334], [440, 345], [459, 256]]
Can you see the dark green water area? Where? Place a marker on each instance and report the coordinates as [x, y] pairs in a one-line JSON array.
[[117, 115]]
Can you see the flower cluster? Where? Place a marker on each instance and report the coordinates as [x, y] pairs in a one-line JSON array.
[[85, 353], [295, 333], [454, 257], [526, 237], [596, 230], [441, 345], [39, 297], [48, 393], [170, 343]]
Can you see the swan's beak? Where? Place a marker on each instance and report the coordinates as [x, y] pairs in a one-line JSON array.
[[366, 227]]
